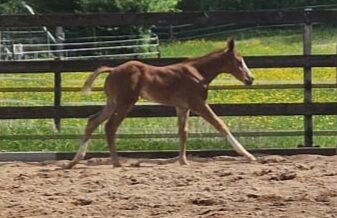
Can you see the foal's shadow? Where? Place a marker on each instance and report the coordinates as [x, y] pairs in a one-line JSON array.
[[135, 163]]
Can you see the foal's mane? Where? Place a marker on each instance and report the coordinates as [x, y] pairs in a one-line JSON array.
[[200, 58]]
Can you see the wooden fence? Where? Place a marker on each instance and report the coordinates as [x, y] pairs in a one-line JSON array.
[[59, 67]]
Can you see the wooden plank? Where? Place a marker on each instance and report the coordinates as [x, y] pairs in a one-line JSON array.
[[123, 19], [89, 65], [322, 16], [73, 65], [278, 133], [262, 17], [274, 109], [212, 87], [291, 61], [50, 156], [160, 135]]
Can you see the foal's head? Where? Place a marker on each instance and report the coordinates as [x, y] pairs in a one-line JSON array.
[[235, 64]]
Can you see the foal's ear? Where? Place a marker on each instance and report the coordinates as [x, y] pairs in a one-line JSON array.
[[230, 44]]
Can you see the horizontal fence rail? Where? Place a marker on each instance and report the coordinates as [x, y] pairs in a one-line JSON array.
[[210, 18], [279, 133], [277, 109], [213, 87], [89, 65]]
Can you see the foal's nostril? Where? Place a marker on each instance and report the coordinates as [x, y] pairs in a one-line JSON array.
[[249, 81]]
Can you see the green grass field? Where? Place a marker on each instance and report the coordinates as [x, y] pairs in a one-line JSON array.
[[261, 42]]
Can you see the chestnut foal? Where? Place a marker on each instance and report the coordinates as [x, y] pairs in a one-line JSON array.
[[183, 85]]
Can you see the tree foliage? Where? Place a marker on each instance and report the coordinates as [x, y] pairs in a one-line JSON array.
[[127, 5], [11, 7], [59, 6], [82, 6]]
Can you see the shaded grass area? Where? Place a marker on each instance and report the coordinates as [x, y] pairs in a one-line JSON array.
[[276, 42]]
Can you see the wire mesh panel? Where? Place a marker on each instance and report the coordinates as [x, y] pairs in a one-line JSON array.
[[35, 45]]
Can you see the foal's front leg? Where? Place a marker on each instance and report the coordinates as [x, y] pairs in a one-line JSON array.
[[206, 112], [183, 115]]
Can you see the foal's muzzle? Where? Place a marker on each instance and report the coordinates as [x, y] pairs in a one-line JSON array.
[[249, 81]]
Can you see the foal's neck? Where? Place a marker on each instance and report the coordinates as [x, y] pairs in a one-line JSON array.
[[210, 65]]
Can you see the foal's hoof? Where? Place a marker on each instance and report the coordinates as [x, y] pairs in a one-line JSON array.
[[137, 164], [68, 166], [183, 163], [252, 158], [115, 165]]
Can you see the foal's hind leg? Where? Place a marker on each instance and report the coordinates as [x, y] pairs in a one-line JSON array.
[[93, 122], [110, 130]]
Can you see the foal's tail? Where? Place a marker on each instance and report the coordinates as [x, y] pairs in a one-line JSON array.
[[88, 83]]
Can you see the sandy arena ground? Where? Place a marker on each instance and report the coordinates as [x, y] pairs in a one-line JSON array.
[[295, 186]]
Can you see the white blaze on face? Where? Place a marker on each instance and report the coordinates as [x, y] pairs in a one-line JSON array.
[[249, 73]]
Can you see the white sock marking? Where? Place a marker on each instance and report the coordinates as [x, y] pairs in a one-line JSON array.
[[238, 147]]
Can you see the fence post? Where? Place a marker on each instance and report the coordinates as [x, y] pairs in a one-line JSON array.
[[57, 97], [58, 76], [158, 50], [1, 59], [307, 44], [171, 34]]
